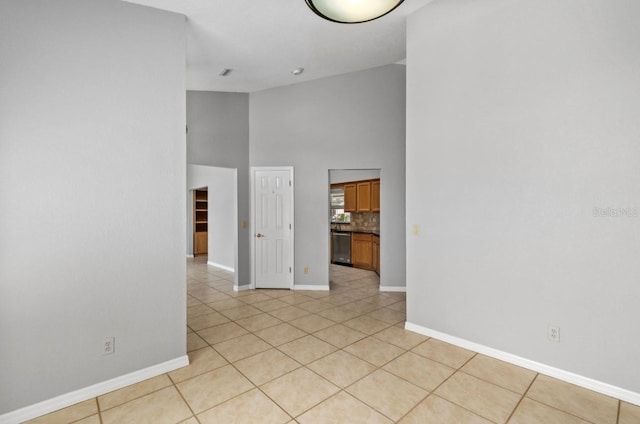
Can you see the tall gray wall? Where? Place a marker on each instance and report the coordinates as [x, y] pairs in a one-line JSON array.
[[522, 117], [352, 121], [219, 136], [92, 204]]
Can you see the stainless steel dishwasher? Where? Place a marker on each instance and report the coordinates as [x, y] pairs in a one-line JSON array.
[[341, 247]]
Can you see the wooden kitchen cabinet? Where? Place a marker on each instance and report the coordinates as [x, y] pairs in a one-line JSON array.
[[350, 197], [362, 250], [375, 196], [375, 254], [364, 196]]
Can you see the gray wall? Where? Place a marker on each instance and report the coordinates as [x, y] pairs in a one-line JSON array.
[[349, 121], [219, 136], [92, 205], [522, 117], [348, 175]]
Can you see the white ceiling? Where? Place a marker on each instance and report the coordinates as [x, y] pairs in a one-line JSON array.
[[262, 41]]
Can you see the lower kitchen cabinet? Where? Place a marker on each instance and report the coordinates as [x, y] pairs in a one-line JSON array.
[[362, 250], [376, 253]]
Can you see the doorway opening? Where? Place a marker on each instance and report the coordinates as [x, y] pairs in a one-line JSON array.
[[354, 228]]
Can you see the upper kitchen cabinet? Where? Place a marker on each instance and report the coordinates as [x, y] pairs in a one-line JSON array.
[[364, 196], [375, 196], [350, 197]]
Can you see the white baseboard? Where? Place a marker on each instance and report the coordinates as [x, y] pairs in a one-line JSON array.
[[393, 289], [68, 399], [309, 287], [242, 288], [569, 377], [224, 267], [190, 256]]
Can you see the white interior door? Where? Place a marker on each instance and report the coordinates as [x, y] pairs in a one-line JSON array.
[[273, 225]]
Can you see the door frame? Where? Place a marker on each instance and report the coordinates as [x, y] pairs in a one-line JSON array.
[[252, 229]]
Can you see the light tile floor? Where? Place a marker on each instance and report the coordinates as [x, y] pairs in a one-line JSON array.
[[278, 356]]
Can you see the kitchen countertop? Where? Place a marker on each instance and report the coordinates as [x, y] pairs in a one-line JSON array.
[[375, 233]]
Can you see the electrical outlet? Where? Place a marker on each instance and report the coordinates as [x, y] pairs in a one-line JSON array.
[[109, 345], [306, 269], [554, 333]]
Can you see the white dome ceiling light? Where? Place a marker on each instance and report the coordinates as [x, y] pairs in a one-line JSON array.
[[352, 11]]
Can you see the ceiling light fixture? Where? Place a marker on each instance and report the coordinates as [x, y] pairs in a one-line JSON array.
[[352, 11], [224, 72], [297, 71]]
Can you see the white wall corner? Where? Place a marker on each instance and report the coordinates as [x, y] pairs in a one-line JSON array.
[[242, 287]]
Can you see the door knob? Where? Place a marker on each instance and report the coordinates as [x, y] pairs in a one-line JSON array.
[[259, 235]]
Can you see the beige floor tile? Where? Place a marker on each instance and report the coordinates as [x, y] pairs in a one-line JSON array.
[[339, 335], [380, 300], [200, 361], [280, 334], [258, 322], [252, 407], [311, 323], [505, 375], [241, 312], [629, 414], [532, 412], [583, 403], [341, 368], [437, 410], [295, 298], [93, 419], [398, 306], [338, 299], [266, 366], [307, 349], [388, 394], [163, 406], [223, 305], [134, 391], [270, 305], [445, 353], [201, 309], [315, 306], [191, 420], [195, 342], [366, 325], [374, 351], [72, 413], [289, 313], [299, 391], [241, 347], [255, 297], [221, 333], [421, 371], [400, 337], [213, 388], [205, 321], [342, 408], [478, 396], [213, 297], [388, 316], [339, 313]]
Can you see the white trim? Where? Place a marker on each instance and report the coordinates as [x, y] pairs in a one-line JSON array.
[[190, 256], [252, 228], [242, 288], [224, 267], [569, 377], [310, 287], [71, 398], [402, 289]]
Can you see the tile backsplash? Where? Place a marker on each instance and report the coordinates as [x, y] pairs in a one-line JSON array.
[[365, 221]]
